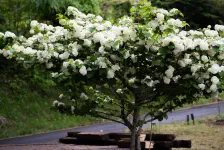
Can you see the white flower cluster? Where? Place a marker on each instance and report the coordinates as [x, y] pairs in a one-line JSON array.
[[8, 53], [9, 35], [219, 27], [169, 74]]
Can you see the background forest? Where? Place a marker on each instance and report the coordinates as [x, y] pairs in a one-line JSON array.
[[23, 90]]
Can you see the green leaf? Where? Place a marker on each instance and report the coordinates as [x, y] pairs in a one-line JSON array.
[[92, 30], [132, 9], [164, 51], [157, 63]]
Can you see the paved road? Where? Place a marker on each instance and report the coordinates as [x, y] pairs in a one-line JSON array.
[[199, 112]]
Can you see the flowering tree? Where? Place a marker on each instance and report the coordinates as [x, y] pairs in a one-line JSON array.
[[113, 70]]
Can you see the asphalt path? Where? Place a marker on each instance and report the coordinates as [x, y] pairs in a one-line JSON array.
[[52, 137]]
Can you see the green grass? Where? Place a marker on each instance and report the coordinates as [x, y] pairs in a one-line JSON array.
[[205, 135], [28, 111], [203, 101]]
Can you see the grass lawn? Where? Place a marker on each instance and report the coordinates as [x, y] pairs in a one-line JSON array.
[[206, 134]]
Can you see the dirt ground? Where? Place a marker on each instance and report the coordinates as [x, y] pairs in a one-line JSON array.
[[57, 146]]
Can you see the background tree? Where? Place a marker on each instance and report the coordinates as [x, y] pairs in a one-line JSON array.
[[15, 15]]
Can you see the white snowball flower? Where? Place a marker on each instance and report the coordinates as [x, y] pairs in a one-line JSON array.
[[55, 103], [195, 33], [65, 55], [65, 65], [115, 67], [204, 58], [54, 74], [99, 37], [188, 43], [213, 88], [134, 58], [126, 55], [75, 47], [55, 54], [49, 65], [182, 63], [100, 27], [29, 51], [153, 24], [9, 34], [84, 96], [169, 72], [182, 34], [175, 22], [61, 96], [72, 109], [173, 11], [201, 86], [222, 68], [83, 70], [78, 61], [33, 23], [195, 68], [204, 45], [32, 31], [215, 80], [87, 42], [116, 30], [211, 33], [101, 51], [18, 48], [166, 80], [160, 17], [110, 74], [119, 91], [61, 104], [41, 26], [214, 69], [62, 22], [187, 61], [99, 18], [221, 56], [132, 80], [219, 27], [101, 62]]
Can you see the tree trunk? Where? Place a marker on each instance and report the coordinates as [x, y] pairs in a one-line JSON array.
[[135, 140]]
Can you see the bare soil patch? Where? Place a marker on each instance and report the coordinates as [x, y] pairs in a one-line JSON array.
[[219, 122]]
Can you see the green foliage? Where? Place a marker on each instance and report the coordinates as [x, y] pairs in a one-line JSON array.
[[114, 11], [15, 15]]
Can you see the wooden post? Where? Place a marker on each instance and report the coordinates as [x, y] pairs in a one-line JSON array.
[[192, 117], [188, 118]]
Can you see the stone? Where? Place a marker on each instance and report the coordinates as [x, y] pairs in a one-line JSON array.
[[3, 121]]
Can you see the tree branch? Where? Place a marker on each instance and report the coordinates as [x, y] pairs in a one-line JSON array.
[[104, 117]]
